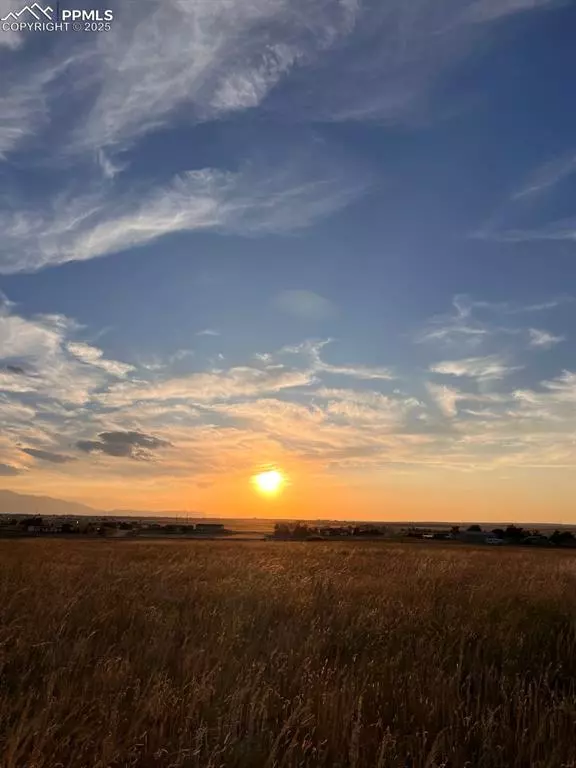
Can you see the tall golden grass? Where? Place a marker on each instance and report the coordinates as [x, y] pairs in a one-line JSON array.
[[254, 655]]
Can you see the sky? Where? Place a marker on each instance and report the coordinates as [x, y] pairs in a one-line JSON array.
[[335, 238]]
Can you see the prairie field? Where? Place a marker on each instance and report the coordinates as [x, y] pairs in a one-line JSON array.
[[265, 654]]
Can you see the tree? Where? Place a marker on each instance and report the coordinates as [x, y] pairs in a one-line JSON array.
[[514, 532], [67, 528], [281, 530], [301, 531], [563, 539], [474, 529]]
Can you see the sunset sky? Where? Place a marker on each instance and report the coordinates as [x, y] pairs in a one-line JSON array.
[[331, 238]]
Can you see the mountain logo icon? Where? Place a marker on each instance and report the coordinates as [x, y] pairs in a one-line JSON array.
[[35, 10]]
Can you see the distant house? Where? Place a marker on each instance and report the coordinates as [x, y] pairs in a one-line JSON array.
[[418, 533], [51, 529], [473, 535], [536, 541], [68, 528], [32, 524], [187, 529], [210, 527], [337, 530], [34, 528]]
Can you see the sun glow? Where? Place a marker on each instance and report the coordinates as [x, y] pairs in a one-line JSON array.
[[269, 483]]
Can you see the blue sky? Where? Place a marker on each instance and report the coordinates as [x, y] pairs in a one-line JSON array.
[[333, 236]]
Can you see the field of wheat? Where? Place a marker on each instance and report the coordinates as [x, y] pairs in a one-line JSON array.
[[285, 654]]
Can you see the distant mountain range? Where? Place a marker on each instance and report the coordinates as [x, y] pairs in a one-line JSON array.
[[163, 514], [12, 503], [26, 504]]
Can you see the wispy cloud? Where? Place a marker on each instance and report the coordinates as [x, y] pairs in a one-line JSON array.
[[241, 381], [445, 398], [449, 400], [298, 366], [94, 356], [547, 176], [110, 168], [391, 58], [10, 38], [361, 407], [22, 111], [311, 351], [466, 305], [513, 221], [551, 405], [483, 11], [41, 358], [458, 333], [557, 230], [187, 62], [248, 202], [49, 456], [197, 59], [460, 327], [476, 323], [7, 470], [563, 387], [208, 332], [304, 304], [25, 93], [544, 339], [481, 368], [190, 61]]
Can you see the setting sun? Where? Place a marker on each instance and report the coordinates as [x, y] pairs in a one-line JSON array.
[[269, 483]]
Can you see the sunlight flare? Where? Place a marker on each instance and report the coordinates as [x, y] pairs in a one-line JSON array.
[[269, 483]]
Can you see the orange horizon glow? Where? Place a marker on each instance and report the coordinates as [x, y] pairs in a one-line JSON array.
[[309, 493]]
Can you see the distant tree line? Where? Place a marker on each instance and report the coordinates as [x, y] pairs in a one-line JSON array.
[[303, 531], [511, 534], [39, 525]]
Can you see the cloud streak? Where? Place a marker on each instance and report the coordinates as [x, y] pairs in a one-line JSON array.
[[247, 202], [547, 176], [543, 339], [481, 368], [542, 183], [50, 456], [7, 470]]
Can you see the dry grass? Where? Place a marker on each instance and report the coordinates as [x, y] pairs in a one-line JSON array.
[[285, 654]]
